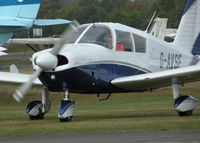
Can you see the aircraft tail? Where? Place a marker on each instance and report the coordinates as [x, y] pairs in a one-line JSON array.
[[19, 8], [16, 15], [188, 34]]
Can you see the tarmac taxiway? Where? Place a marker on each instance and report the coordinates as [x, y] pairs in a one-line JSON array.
[[192, 136]]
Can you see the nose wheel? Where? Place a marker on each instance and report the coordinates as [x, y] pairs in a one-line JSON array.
[[66, 109], [37, 108]]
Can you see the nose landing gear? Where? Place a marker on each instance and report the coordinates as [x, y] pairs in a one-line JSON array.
[[66, 109], [37, 108]]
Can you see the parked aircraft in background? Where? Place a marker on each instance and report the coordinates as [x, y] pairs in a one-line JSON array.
[[158, 28], [18, 15], [114, 58]]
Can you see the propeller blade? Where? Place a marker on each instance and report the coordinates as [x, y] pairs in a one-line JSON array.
[[65, 36], [25, 87]]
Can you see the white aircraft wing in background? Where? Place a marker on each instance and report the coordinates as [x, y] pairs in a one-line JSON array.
[[16, 78], [2, 53], [50, 22], [158, 79], [37, 41]]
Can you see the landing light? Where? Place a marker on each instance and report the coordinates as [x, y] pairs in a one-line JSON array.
[[53, 77]]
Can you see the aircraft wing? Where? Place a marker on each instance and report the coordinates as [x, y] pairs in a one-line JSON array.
[[37, 41], [49, 22], [16, 78], [158, 79]]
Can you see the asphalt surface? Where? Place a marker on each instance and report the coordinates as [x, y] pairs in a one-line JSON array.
[[128, 137]]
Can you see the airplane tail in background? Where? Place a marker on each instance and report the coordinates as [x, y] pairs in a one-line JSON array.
[[19, 8], [16, 15], [188, 34]]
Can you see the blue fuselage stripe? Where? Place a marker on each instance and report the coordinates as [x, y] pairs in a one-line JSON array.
[[93, 78], [16, 2], [196, 46]]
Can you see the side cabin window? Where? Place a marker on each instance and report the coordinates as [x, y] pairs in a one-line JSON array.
[[140, 43], [124, 41], [98, 35]]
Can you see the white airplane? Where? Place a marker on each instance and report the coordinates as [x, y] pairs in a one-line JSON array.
[[114, 58]]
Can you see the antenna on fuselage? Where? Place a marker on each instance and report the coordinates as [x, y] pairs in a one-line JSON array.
[[149, 25]]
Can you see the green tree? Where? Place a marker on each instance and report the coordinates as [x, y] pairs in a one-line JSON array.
[[136, 14], [172, 9]]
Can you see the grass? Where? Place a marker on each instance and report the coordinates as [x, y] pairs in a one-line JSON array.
[[121, 113]]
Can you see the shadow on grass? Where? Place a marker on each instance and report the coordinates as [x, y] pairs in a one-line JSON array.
[[112, 116]]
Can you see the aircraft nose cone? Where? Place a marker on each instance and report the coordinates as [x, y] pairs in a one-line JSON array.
[[46, 61]]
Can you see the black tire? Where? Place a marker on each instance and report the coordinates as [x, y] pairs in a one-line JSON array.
[[187, 113], [38, 117], [68, 119]]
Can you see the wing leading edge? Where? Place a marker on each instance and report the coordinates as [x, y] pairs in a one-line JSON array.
[[10, 23], [37, 41], [49, 22], [158, 79]]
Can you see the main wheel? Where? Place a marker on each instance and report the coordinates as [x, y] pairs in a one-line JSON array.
[[38, 117], [68, 119], [187, 113]]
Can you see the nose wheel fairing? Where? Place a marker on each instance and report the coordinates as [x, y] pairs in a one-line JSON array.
[[66, 110], [88, 78]]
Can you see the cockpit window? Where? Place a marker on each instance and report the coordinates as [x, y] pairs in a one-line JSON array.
[[98, 35], [75, 34], [124, 41]]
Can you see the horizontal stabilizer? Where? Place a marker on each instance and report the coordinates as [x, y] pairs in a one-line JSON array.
[[49, 22], [11, 22]]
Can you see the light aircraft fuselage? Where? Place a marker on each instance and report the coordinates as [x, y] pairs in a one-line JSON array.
[[86, 64]]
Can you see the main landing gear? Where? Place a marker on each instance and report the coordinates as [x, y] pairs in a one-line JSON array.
[[185, 104], [66, 110], [37, 108]]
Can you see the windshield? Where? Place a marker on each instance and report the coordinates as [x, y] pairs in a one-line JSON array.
[[75, 34], [98, 35]]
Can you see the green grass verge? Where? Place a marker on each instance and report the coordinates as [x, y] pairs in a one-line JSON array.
[[121, 113]]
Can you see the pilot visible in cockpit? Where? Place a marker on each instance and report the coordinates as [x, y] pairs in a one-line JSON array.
[[108, 40]]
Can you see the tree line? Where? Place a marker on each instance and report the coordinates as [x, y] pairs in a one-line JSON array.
[[134, 13]]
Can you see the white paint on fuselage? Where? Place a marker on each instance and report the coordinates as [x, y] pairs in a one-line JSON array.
[[159, 54]]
